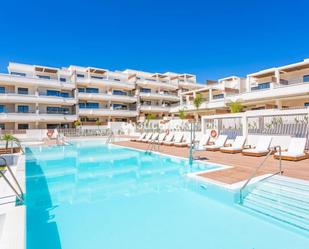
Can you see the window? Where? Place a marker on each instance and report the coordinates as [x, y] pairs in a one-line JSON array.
[[146, 102], [47, 77], [261, 86], [2, 89], [306, 78], [23, 126], [119, 92], [82, 105], [92, 105], [52, 93], [57, 110], [81, 90], [63, 79], [80, 76], [145, 90], [65, 94], [18, 74], [2, 108], [92, 90], [2, 126], [22, 90], [307, 104], [96, 77], [23, 108], [218, 96], [52, 126], [119, 107]]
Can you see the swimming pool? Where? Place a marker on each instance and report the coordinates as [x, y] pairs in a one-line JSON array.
[[91, 195]]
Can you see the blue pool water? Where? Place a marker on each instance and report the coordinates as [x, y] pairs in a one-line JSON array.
[[89, 196]]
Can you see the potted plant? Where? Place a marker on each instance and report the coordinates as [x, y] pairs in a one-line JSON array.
[[9, 141]]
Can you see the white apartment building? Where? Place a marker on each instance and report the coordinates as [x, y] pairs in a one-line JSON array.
[[284, 87], [46, 97]]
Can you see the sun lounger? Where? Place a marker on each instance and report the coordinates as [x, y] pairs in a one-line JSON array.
[[295, 152], [236, 147], [147, 138], [220, 142], [261, 149], [202, 143], [177, 139], [168, 138], [154, 137], [142, 136], [186, 141], [161, 138]]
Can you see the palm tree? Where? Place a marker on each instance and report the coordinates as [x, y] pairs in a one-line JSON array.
[[197, 102], [10, 139], [182, 114], [77, 123], [235, 107]]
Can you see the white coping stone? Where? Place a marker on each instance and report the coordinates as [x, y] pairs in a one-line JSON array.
[[12, 218]]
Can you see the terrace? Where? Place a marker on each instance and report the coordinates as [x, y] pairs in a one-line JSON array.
[[242, 166]]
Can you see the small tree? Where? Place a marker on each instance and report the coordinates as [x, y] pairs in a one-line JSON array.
[[98, 122], [182, 114], [77, 123], [236, 107], [197, 102], [10, 140]]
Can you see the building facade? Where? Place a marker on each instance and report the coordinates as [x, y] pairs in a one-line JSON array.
[[279, 88], [46, 97]]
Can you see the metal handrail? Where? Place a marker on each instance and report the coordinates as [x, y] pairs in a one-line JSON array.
[[20, 195], [110, 138], [152, 145], [258, 167]]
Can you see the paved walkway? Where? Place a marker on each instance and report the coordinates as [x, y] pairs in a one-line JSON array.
[[242, 165]]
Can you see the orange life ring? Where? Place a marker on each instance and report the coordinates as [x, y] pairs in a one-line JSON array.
[[50, 133], [213, 133], [167, 131]]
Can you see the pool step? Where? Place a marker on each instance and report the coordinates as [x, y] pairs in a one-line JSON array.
[[281, 198]]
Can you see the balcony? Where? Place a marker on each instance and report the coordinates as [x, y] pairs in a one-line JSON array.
[[35, 81], [35, 98], [37, 117], [105, 82], [191, 85], [107, 112], [107, 97], [279, 91], [154, 108], [158, 96], [156, 83]]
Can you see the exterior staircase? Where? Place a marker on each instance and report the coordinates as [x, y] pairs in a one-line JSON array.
[[281, 198]]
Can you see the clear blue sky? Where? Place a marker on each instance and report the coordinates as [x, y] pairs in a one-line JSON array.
[[212, 39]]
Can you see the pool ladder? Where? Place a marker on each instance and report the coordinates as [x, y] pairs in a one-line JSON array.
[[110, 138], [153, 145], [18, 192], [242, 189]]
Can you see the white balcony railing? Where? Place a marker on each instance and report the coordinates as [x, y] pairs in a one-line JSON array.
[[154, 108], [107, 112], [144, 82], [165, 96], [126, 85], [37, 117], [35, 98], [107, 97], [30, 81]]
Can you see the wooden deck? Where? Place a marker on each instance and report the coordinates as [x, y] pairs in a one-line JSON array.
[[242, 165]]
